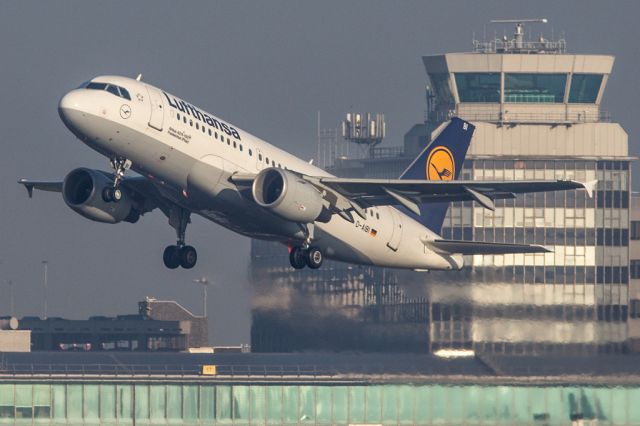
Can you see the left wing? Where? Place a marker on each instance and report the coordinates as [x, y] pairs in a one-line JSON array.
[[411, 193], [479, 247]]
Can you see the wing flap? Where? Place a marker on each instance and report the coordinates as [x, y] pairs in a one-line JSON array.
[[478, 247]]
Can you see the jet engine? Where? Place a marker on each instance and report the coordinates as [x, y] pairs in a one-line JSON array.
[[288, 196], [82, 191]]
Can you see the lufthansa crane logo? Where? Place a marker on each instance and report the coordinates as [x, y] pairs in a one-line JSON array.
[[440, 164], [125, 111]]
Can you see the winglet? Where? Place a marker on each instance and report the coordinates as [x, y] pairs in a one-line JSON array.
[[28, 186], [139, 77], [590, 187]]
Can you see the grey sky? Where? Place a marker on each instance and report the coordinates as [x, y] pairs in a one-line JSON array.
[[266, 66]]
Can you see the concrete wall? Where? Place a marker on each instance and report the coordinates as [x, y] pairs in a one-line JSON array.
[[15, 341]]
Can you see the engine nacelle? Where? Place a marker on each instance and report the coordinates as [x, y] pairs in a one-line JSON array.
[[82, 191], [288, 195]]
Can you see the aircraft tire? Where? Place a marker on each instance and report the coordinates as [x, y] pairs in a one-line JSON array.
[[297, 258], [188, 257], [314, 257], [171, 257]]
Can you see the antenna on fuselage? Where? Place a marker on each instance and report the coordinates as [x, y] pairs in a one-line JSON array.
[[139, 77]]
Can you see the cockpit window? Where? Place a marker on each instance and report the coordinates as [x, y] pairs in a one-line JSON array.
[[124, 93], [120, 92], [113, 89], [97, 86]]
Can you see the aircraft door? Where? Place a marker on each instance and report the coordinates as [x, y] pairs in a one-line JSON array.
[[396, 232], [156, 118]]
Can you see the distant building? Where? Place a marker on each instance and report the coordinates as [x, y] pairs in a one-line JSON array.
[[537, 115], [634, 274], [159, 326]]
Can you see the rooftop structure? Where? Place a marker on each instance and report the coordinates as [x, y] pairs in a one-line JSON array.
[[159, 326]]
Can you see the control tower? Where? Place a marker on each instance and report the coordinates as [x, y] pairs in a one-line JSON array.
[[537, 114]]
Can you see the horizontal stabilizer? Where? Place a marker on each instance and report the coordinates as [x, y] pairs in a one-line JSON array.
[[477, 247]]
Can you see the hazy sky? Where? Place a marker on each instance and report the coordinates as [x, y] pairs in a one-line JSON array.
[[266, 66]]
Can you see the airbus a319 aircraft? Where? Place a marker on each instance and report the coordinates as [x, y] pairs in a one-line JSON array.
[[190, 161]]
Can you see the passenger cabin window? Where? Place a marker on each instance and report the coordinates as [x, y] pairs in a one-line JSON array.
[[250, 152]]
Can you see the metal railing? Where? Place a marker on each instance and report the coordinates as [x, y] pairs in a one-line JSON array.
[[517, 46], [507, 117]]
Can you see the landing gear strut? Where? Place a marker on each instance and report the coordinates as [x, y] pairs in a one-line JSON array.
[[113, 194], [180, 254]]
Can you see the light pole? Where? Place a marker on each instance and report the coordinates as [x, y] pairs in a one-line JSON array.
[[205, 283], [46, 285]]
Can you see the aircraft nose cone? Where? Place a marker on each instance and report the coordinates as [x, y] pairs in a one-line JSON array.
[[69, 106]]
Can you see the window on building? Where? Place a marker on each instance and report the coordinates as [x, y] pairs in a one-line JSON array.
[[478, 87], [584, 88], [635, 268], [534, 88], [635, 229], [634, 308], [441, 88]]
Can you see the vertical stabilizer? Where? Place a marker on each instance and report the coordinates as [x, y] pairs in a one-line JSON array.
[[442, 159]]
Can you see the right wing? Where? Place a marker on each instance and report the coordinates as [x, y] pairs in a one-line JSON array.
[[143, 191], [50, 186]]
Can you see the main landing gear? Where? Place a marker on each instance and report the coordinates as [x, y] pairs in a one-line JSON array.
[[300, 257], [113, 194], [180, 254]]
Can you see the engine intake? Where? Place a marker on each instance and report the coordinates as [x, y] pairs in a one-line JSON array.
[[82, 192], [288, 195]]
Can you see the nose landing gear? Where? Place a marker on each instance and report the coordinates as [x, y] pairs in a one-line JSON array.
[[120, 166], [180, 254]]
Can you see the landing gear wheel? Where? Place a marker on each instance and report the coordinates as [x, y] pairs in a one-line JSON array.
[[314, 257], [188, 257], [171, 257], [297, 258], [111, 195]]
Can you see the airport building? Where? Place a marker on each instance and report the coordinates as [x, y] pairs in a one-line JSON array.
[[159, 325], [537, 114], [261, 389]]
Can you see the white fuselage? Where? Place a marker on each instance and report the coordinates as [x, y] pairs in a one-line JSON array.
[[190, 155]]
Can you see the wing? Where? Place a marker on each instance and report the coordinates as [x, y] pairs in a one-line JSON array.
[[50, 186], [477, 247], [144, 192], [411, 193]]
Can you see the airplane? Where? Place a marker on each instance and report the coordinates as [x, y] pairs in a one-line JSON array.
[[190, 161]]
